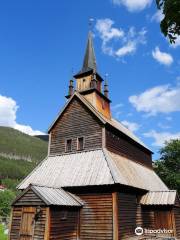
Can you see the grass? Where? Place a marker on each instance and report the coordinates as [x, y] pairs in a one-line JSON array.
[[2, 235]]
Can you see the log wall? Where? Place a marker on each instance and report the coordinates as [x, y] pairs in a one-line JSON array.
[[119, 144], [177, 221], [16, 223], [76, 121], [64, 224], [96, 220]]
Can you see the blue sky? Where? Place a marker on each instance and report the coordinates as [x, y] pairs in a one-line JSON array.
[[42, 41]]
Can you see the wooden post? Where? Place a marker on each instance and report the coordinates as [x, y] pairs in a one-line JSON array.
[[173, 223], [115, 215], [78, 224], [103, 137], [47, 225]]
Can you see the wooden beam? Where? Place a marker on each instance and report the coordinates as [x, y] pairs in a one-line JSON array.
[[47, 225], [115, 215], [173, 223], [103, 137]]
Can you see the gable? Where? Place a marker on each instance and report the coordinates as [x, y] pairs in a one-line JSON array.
[[76, 121], [28, 198]]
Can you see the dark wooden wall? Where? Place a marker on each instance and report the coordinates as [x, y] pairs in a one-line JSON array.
[[75, 122], [127, 215], [39, 228], [119, 144], [15, 223], [40, 225], [96, 217], [177, 221], [29, 199], [64, 229]]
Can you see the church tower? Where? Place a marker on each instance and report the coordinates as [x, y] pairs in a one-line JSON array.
[[89, 82]]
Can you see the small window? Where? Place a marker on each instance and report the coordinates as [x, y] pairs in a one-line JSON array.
[[80, 143], [64, 215], [68, 145]]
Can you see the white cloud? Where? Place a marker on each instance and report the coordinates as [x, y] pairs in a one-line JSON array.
[[162, 57], [159, 99], [107, 32], [161, 137], [117, 106], [158, 16], [115, 41], [132, 126], [8, 111], [177, 43], [116, 109], [133, 5], [129, 48]]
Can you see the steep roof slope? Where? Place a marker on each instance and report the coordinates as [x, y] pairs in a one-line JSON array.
[[98, 167]]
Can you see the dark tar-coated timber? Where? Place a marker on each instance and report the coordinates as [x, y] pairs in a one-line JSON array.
[[77, 121], [108, 210]]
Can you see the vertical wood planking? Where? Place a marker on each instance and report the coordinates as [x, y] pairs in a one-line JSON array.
[[47, 224], [115, 215]]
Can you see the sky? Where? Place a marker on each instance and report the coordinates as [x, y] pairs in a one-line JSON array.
[[42, 44]]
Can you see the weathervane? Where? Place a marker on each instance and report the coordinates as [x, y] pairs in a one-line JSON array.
[[91, 20]]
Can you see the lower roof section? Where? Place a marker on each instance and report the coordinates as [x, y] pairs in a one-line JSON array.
[[50, 196], [92, 168], [159, 198]]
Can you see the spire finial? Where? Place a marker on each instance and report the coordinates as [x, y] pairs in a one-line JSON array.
[[71, 84], [91, 20]]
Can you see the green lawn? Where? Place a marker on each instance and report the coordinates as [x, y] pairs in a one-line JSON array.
[[2, 235]]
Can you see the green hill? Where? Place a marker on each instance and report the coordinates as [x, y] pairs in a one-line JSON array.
[[17, 145], [19, 154]]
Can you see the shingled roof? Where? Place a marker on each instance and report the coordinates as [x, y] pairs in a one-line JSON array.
[[92, 168], [52, 196], [159, 198]]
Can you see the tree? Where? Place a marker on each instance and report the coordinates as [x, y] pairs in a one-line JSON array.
[[170, 24], [6, 197], [168, 166]]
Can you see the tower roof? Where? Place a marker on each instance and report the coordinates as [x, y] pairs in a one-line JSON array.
[[89, 62]]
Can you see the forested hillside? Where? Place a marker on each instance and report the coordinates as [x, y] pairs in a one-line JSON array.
[[19, 154]]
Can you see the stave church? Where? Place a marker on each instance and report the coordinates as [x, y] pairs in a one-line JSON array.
[[97, 182]]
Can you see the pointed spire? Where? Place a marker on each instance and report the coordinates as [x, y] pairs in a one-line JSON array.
[[89, 58]]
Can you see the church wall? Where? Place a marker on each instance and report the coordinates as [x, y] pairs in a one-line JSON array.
[[176, 211], [119, 144], [64, 224], [76, 121], [96, 220], [127, 209], [20, 225]]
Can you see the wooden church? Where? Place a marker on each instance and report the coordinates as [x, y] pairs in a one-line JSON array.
[[97, 182]]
